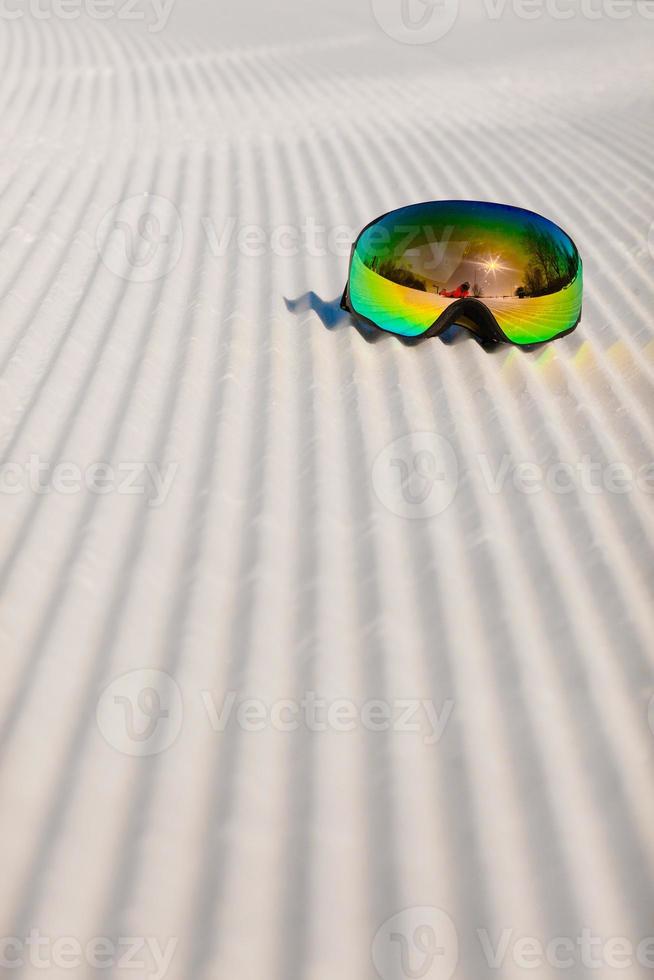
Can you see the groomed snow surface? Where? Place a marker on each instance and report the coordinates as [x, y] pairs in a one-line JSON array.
[[428, 569]]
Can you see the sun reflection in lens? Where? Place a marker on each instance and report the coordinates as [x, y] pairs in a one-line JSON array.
[[494, 266]]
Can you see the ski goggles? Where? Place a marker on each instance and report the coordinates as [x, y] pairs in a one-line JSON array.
[[506, 274]]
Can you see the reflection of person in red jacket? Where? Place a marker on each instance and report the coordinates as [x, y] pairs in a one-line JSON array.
[[459, 293]]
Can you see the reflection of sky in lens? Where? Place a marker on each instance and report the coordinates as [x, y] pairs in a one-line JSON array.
[[448, 244]]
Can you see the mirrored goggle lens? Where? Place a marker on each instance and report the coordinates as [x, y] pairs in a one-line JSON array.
[[411, 265]]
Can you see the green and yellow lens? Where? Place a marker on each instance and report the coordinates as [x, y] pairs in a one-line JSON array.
[[410, 266]]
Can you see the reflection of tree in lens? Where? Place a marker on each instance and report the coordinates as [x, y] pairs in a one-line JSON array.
[[395, 272], [551, 267]]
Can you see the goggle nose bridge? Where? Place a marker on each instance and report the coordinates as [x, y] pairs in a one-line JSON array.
[[479, 316]]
